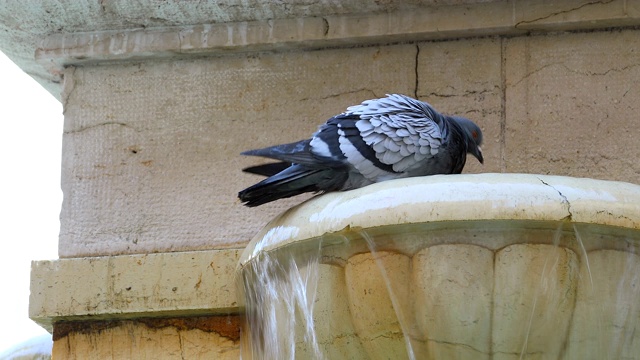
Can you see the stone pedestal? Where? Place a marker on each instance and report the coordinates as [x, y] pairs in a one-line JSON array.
[[164, 305]]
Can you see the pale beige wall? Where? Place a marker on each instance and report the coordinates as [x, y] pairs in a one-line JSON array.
[[572, 105], [151, 150]]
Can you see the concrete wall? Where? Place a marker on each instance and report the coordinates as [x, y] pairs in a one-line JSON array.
[[151, 149]]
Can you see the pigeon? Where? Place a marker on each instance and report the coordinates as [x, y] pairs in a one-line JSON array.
[[381, 139]]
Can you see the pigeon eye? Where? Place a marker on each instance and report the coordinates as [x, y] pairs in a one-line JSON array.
[[474, 134]]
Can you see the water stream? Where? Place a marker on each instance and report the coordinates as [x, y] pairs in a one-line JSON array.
[[451, 290]]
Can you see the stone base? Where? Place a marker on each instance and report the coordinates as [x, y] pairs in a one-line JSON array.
[[205, 337], [172, 305]]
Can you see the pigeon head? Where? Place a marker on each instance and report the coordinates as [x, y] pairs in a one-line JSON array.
[[473, 136]]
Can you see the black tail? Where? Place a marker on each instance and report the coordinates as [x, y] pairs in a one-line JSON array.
[[267, 169], [297, 152], [294, 180]]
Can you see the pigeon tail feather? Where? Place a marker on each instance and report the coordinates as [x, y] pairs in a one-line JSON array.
[[296, 152], [269, 169], [294, 180]]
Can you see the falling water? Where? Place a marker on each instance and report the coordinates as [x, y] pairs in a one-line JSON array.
[[464, 290], [280, 290], [393, 296], [585, 256], [556, 242]]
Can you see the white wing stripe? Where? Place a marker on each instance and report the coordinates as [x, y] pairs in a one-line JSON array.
[[320, 147], [363, 165]]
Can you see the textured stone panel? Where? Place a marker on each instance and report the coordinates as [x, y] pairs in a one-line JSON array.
[[378, 291], [534, 296], [25, 25], [571, 101], [151, 339], [607, 312], [445, 278], [571, 14], [151, 151], [336, 336], [463, 78], [170, 284]]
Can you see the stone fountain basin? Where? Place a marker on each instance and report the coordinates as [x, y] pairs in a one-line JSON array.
[[487, 266]]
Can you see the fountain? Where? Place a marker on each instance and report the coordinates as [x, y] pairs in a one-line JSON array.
[[488, 266]]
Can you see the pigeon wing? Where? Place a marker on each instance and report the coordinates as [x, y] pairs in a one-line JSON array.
[[401, 131], [339, 140]]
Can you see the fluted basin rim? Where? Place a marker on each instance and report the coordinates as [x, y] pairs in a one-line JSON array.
[[455, 198]]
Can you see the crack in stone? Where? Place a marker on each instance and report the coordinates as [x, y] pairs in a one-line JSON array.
[[417, 74], [390, 336], [588, 73], [519, 354], [529, 74], [503, 105], [617, 216], [81, 129], [467, 346], [466, 93], [373, 94], [574, 71], [561, 12], [68, 86], [325, 25], [181, 345], [180, 35], [564, 200]]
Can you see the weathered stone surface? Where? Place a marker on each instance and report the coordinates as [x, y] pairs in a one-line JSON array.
[[570, 101], [445, 279], [151, 339], [82, 30], [336, 336], [120, 287], [572, 14], [607, 307], [129, 189], [534, 296], [378, 291], [151, 151], [464, 78], [124, 29]]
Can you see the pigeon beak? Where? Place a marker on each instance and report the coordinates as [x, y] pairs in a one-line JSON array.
[[478, 155]]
